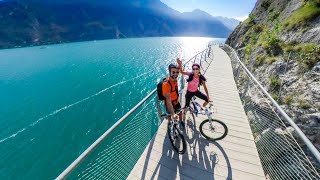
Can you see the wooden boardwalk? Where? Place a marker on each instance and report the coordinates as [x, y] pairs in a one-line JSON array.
[[234, 157]]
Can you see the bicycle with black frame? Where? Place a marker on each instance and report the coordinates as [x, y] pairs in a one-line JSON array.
[[175, 133]]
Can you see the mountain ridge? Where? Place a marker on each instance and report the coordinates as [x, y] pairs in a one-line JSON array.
[[38, 22]]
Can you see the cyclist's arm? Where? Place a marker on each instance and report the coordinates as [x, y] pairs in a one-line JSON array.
[[180, 67], [169, 103], [205, 89], [182, 72]]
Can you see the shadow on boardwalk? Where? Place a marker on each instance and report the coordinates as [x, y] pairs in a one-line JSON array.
[[196, 163]]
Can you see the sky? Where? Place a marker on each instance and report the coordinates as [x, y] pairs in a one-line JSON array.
[[238, 9]]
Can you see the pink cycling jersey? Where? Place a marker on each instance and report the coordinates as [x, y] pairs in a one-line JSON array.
[[193, 85]]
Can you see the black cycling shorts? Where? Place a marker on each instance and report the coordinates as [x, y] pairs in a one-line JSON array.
[[199, 94], [175, 107]]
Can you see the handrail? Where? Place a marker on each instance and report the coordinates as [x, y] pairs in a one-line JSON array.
[[311, 147], [88, 151], [194, 57]]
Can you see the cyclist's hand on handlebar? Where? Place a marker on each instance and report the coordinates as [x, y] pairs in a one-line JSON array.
[[175, 116]]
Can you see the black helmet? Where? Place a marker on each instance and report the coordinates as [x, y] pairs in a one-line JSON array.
[[172, 66]]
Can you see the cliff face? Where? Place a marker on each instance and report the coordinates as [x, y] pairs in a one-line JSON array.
[[37, 22], [299, 21], [279, 43]]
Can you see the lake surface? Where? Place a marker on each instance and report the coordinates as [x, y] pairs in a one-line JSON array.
[[56, 100]]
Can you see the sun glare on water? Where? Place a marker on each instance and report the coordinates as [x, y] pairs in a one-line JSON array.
[[192, 45]]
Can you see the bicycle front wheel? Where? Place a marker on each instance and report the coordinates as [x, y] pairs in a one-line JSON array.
[[213, 130], [190, 115], [177, 140]]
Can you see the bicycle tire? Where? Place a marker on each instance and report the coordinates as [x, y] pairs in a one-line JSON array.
[[190, 128], [192, 113], [205, 133], [172, 141]]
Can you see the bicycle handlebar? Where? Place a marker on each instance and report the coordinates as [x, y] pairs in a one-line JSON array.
[[176, 112]]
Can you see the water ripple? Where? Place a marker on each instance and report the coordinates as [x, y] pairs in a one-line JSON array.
[[69, 106]]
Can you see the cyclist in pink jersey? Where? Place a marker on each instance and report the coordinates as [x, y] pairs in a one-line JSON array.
[[194, 81]]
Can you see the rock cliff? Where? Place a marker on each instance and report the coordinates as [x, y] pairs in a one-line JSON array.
[[279, 43]]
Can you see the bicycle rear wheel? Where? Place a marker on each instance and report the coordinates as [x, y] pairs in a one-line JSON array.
[[214, 130], [177, 140]]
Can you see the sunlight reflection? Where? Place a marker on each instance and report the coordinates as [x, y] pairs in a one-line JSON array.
[[192, 45]]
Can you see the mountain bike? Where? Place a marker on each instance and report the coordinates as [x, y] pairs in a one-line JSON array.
[[211, 129], [175, 134]]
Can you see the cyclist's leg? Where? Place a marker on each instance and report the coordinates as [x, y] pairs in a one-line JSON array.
[[181, 119], [203, 97], [188, 96]]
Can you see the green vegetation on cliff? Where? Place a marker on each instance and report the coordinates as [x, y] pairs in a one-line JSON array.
[[302, 16], [307, 54], [266, 36]]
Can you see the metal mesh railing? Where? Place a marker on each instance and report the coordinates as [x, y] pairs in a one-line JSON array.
[[203, 58], [120, 152], [116, 152], [280, 154]]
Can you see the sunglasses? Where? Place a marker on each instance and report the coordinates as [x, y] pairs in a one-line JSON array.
[[195, 68], [175, 72]]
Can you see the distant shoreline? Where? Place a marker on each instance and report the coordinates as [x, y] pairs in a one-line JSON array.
[[45, 46]]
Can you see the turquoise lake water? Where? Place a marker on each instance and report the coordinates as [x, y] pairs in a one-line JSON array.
[[56, 100]]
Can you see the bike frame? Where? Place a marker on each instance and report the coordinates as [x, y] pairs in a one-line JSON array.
[[196, 106], [174, 131], [174, 121]]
